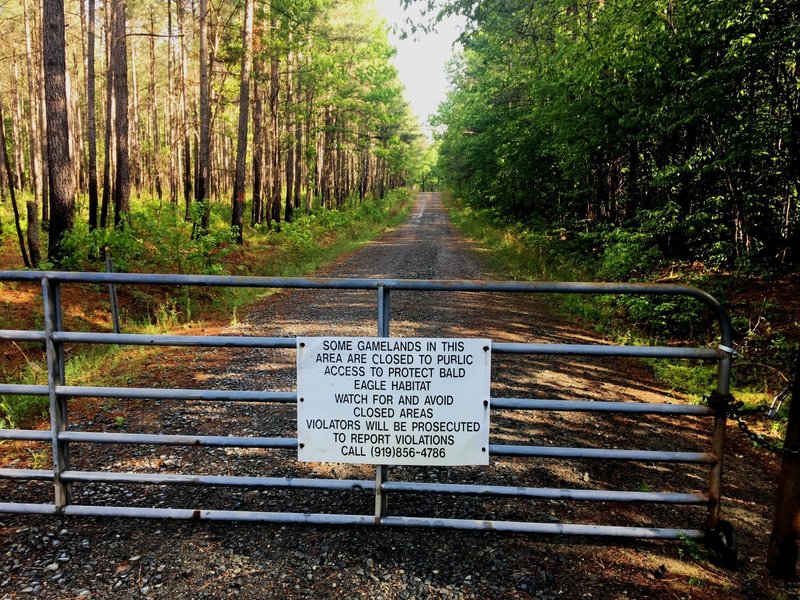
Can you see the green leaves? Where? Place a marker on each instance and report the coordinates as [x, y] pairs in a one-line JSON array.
[[624, 113]]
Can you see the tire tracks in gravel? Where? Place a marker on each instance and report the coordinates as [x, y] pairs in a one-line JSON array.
[[107, 558]]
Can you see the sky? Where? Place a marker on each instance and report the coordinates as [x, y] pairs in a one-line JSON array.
[[422, 58]]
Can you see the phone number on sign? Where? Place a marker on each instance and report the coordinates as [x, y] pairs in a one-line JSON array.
[[403, 452]]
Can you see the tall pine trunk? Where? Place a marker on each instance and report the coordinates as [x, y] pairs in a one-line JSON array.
[[156, 141], [244, 105], [11, 192], [61, 183], [257, 212], [204, 154], [109, 116], [184, 116], [275, 157], [119, 61], [34, 136], [91, 121]]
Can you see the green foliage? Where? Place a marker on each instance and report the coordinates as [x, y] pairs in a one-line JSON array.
[[520, 252], [22, 411], [296, 250], [155, 238], [689, 549], [648, 128]]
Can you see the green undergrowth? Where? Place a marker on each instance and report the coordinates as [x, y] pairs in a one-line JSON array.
[[765, 338], [157, 239]]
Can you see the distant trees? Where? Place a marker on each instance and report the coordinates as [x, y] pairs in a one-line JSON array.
[[332, 124], [676, 121]]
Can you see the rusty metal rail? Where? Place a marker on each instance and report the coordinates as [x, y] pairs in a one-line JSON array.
[[61, 437]]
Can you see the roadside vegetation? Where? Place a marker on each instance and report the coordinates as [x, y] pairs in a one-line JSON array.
[[631, 142], [293, 249], [763, 305]]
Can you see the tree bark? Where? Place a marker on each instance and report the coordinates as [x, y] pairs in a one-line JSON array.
[[155, 151], [298, 141], [244, 105], [33, 112], [257, 212], [16, 121], [109, 116], [119, 63], [91, 121], [204, 156], [61, 183], [43, 128], [274, 90], [33, 232], [289, 207], [187, 157], [136, 158], [11, 191]]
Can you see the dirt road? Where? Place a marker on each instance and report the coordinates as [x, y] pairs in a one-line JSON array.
[[105, 558]]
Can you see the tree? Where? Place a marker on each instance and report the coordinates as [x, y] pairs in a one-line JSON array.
[[244, 105], [91, 121], [61, 182], [11, 185], [119, 63], [204, 151]]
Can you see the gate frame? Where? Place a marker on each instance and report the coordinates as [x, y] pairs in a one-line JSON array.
[[718, 533]]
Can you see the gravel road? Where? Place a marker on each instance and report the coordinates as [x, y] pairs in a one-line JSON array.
[[119, 558]]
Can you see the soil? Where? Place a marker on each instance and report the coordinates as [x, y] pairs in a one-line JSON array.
[[58, 557]]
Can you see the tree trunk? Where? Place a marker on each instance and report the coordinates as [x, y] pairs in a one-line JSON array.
[[61, 184], [290, 150], [275, 158], [33, 111], [204, 156], [119, 62], [91, 121], [298, 142], [156, 141], [170, 121], [11, 191], [257, 212], [109, 115], [244, 105], [135, 139], [309, 144], [33, 233], [184, 125], [16, 121], [43, 129]]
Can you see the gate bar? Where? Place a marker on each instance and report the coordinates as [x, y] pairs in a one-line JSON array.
[[602, 453], [220, 480], [601, 406], [545, 493]]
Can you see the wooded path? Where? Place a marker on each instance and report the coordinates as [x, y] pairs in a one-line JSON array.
[[128, 558]]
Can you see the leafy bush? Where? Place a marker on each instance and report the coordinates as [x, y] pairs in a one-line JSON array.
[[22, 411]]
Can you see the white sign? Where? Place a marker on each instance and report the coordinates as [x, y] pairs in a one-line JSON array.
[[398, 401]]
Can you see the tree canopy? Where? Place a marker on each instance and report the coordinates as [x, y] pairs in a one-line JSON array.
[[677, 120]]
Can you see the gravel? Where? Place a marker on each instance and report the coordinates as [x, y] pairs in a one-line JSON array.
[[54, 557]]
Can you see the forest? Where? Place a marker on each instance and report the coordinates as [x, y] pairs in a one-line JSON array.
[[670, 129], [236, 114]]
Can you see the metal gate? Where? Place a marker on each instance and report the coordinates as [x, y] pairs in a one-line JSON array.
[[63, 433]]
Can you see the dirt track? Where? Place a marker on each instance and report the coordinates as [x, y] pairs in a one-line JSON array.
[[130, 558]]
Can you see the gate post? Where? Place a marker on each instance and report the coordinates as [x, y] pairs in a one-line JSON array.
[[782, 553], [53, 321], [718, 436], [381, 471]]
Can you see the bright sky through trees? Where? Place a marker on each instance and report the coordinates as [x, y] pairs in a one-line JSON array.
[[421, 58]]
